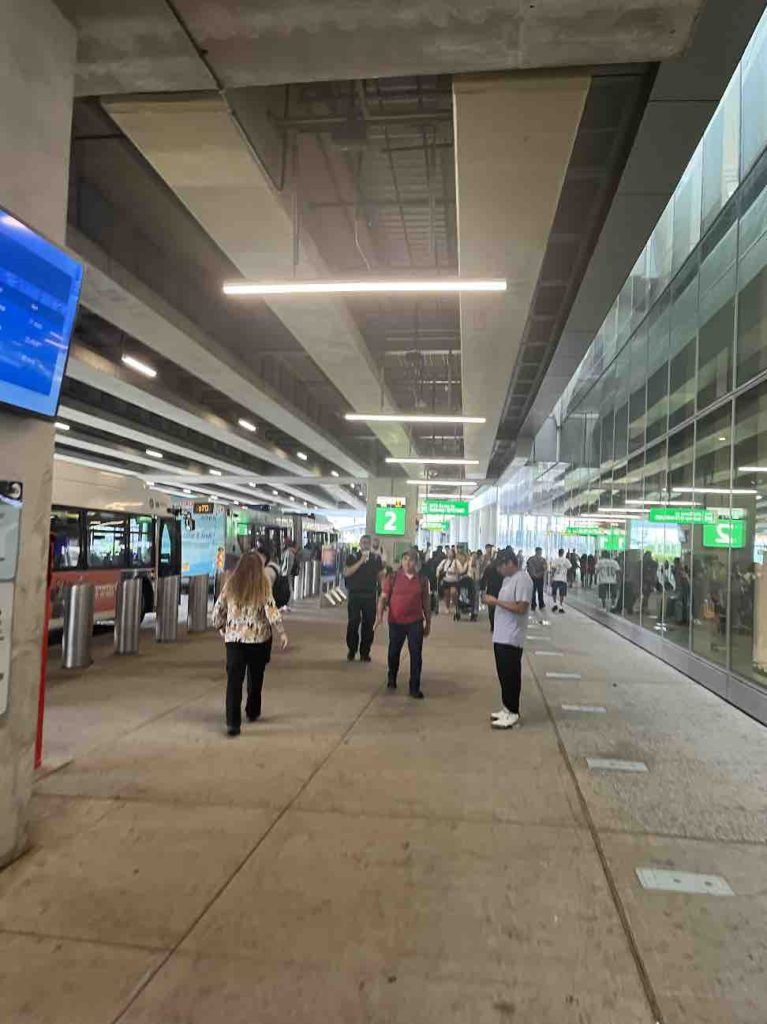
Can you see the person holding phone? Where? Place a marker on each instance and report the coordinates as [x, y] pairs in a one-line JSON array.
[[362, 572]]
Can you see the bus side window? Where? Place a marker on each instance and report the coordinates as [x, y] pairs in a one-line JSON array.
[[106, 540], [141, 542], [67, 539]]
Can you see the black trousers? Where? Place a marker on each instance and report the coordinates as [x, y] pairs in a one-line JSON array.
[[538, 594], [398, 634], [242, 658], [362, 618], [491, 616], [508, 664]]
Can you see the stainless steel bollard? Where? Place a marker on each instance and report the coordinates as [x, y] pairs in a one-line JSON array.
[[197, 612], [305, 578], [316, 577], [166, 627], [128, 616], [78, 625]]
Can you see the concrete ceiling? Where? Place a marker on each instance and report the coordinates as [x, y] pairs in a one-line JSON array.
[[146, 45]]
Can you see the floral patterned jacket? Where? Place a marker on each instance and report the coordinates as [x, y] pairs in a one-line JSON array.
[[247, 624]]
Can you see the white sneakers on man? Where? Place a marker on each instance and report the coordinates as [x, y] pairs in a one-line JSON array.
[[504, 719]]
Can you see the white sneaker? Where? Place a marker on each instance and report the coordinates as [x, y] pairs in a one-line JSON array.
[[499, 714], [505, 721]]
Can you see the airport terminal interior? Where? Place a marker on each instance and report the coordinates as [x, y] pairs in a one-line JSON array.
[[383, 512]]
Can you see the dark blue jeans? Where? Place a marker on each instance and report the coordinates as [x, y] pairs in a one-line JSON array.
[[398, 634]]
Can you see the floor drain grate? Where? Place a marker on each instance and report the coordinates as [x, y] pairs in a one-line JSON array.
[[614, 764], [683, 881]]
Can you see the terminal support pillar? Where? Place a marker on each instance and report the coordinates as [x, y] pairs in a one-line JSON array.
[[37, 66]]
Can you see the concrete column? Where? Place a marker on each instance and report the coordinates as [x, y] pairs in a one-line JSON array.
[[392, 487], [37, 64]]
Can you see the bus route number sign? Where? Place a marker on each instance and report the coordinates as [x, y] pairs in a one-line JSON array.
[[391, 517]]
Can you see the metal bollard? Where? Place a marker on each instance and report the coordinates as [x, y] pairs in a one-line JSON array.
[[166, 627], [316, 577], [197, 612], [305, 578], [78, 625], [128, 616]]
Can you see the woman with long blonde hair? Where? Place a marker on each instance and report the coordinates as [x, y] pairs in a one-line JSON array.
[[246, 615]]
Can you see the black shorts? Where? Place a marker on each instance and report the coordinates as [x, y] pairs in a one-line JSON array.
[[558, 587]]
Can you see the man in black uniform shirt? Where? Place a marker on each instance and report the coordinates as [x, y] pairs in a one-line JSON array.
[[361, 572]]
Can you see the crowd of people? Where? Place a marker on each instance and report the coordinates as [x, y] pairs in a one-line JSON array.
[[249, 610]]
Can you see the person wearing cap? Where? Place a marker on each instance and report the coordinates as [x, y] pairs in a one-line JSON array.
[[405, 594]]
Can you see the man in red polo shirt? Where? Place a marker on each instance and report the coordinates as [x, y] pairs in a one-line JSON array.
[[406, 594]]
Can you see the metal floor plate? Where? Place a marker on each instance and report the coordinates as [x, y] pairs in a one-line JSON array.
[[683, 881], [595, 709], [615, 764]]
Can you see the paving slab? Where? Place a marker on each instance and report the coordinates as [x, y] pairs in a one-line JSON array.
[[141, 875], [706, 954], [61, 981]]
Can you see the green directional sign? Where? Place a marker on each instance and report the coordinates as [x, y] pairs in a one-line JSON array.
[[728, 533], [391, 521], [445, 507], [436, 525], [615, 540], [694, 516], [583, 531]]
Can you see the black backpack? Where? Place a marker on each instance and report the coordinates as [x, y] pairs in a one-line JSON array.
[[281, 590]]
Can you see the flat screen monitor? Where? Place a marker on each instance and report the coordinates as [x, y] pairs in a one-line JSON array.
[[39, 292]]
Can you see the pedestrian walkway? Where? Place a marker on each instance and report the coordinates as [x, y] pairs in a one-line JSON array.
[[360, 857]]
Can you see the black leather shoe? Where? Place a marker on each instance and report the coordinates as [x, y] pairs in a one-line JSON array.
[[365, 657], [253, 718], [416, 694], [350, 656], [391, 684], [233, 730]]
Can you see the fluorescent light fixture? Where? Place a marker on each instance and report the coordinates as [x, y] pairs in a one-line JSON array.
[[436, 462], [661, 502], [136, 364], [333, 473], [247, 425], [213, 497], [215, 472], [741, 469], [155, 454], [61, 426], [440, 497], [187, 491], [615, 511], [302, 456], [713, 490], [386, 417], [443, 483], [444, 284], [276, 494], [251, 483], [150, 483]]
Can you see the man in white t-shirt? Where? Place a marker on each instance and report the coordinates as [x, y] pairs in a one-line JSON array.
[[560, 567], [512, 610], [607, 577]]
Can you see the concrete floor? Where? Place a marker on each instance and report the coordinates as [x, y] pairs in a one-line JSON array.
[[360, 857]]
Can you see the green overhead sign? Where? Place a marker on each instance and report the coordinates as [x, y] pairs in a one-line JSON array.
[[391, 516], [615, 540], [436, 525], [584, 531], [694, 516], [729, 533], [445, 507]]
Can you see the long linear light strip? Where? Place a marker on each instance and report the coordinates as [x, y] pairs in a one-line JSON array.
[[435, 462], [387, 417], [660, 502], [713, 490], [443, 483], [440, 285]]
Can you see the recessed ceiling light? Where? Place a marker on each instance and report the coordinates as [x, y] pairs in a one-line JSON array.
[[154, 454], [251, 483], [136, 364], [214, 472], [385, 417], [333, 473], [61, 426], [247, 425], [276, 494], [302, 456], [187, 491], [444, 284], [150, 483], [721, 438]]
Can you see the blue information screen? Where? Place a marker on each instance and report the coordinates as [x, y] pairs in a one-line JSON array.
[[39, 292]]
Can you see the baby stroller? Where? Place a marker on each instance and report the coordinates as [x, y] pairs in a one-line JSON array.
[[466, 603]]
